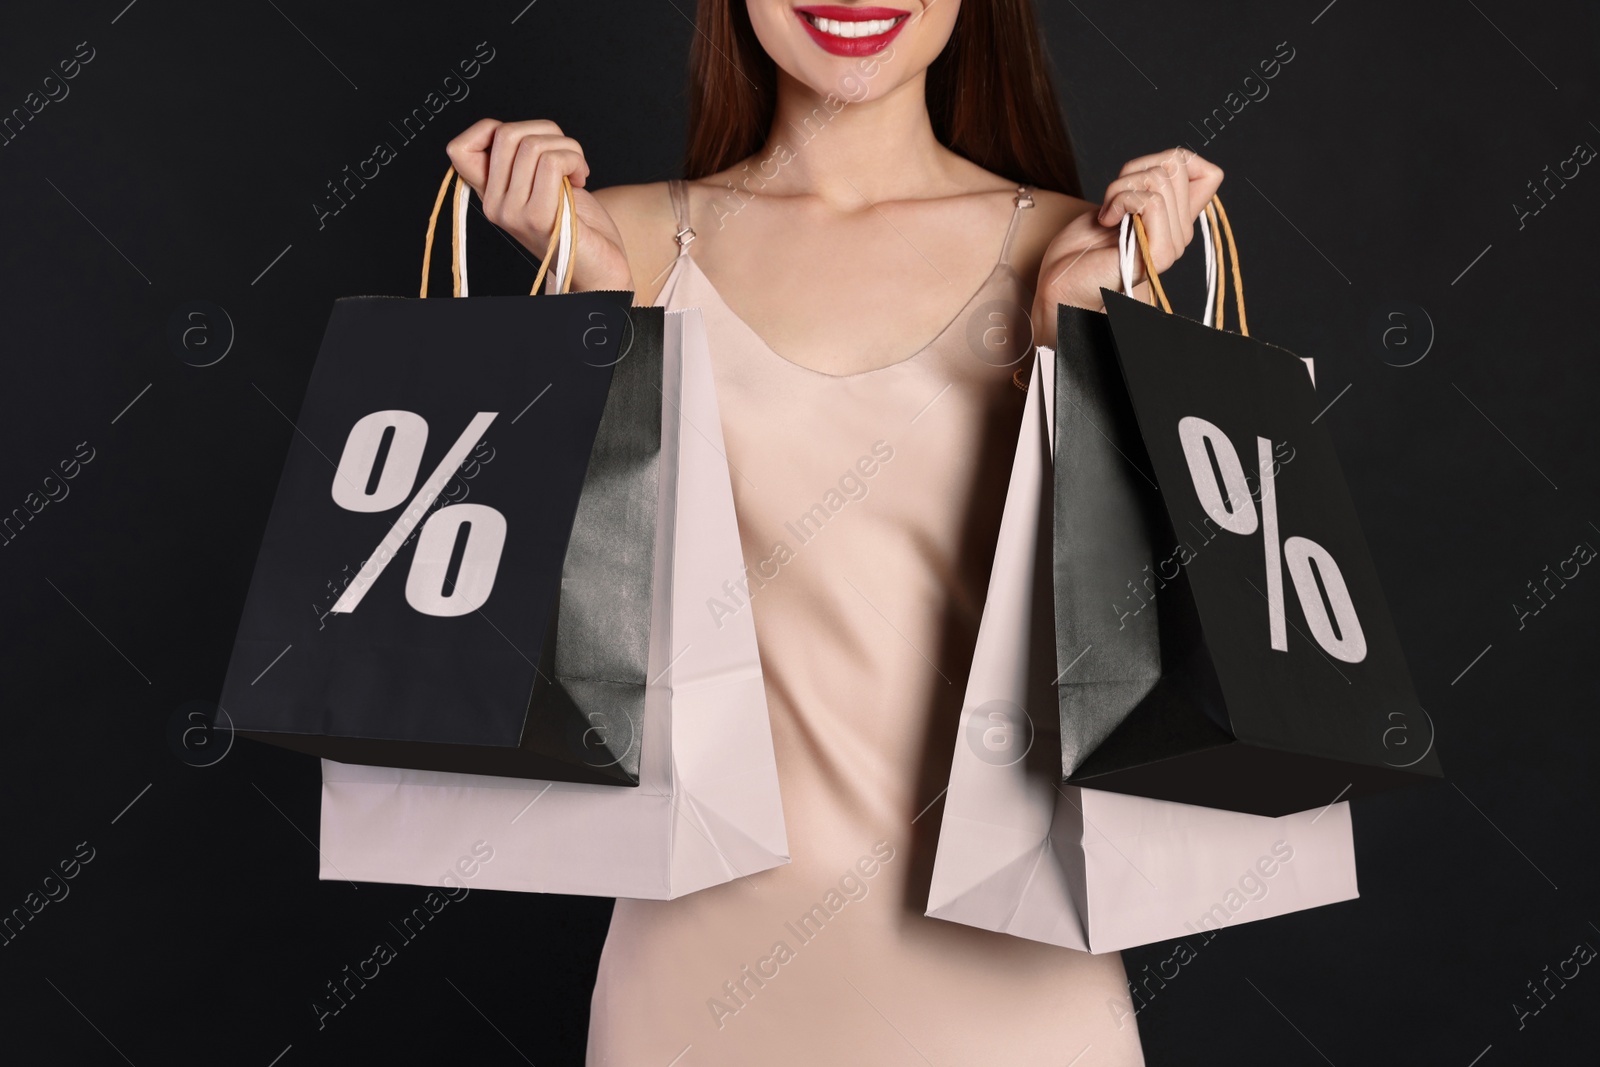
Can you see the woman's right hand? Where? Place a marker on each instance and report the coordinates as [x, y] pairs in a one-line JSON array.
[[516, 169]]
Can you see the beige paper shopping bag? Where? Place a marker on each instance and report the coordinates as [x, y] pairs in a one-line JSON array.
[[1022, 854], [706, 809]]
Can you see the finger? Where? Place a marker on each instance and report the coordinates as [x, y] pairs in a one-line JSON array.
[[1118, 204], [1204, 176], [502, 155], [1150, 207], [519, 190], [1171, 159], [1151, 182], [469, 152], [1164, 249], [1174, 190], [1203, 188], [544, 203]]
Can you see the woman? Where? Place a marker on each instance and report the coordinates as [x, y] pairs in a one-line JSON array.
[[878, 193]]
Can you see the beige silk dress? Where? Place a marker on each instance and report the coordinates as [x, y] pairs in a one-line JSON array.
[[868, 509]]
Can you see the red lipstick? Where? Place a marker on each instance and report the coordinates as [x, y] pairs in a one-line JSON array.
[[829, 25]]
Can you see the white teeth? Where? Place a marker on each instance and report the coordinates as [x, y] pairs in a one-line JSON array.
[[835, 28]]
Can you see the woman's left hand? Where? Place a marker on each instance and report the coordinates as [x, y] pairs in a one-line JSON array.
[[1168, 190]]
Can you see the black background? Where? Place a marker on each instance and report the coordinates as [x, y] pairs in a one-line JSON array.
[[1379, 175]]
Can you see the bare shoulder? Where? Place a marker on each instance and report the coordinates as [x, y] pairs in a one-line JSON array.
[[1050, 215], [648, 202], [1057, 209], [1038, 226], [643, 214]]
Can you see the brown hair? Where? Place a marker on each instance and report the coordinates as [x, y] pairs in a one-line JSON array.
[[989, 94]]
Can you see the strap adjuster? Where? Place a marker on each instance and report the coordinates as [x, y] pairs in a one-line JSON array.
[[684, 236]]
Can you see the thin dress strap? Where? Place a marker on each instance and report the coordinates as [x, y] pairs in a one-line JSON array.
[[1024, 199], [679, 193]]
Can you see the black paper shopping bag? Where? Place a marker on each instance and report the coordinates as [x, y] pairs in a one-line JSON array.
[[456, 573], [1222, 636]]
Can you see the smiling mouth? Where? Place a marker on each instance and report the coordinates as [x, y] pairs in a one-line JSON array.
[[852, 31]]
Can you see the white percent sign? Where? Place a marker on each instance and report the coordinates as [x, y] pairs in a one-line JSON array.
[[1230, 505], [430, 561]]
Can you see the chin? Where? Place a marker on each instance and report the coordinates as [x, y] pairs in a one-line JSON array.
[[853, 50]]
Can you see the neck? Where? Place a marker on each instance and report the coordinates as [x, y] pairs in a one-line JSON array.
[[841, 151]]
